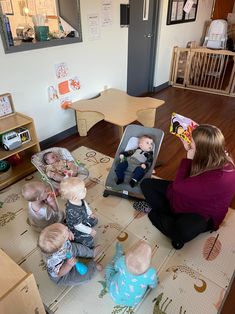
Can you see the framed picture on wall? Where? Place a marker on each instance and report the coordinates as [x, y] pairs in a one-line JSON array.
[[181, 11], [6, 105]]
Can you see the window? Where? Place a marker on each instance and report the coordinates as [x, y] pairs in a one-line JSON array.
[[34, 24]]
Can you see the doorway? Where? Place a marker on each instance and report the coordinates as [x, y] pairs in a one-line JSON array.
[[142, 46]]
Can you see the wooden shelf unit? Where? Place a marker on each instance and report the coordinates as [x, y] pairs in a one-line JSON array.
[[26, 150], [18, 291]]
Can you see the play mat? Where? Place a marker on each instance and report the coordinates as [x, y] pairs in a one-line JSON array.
[[192, 280]]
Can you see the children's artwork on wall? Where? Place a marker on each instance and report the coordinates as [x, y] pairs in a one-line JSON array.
[[63, 87], [182, 127], [65, 102], [74, 83], [107, 15], [93, 26], [61, 70], [52, 93]]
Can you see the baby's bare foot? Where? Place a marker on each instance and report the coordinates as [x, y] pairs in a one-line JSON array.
[[99, 267], [97, 250]]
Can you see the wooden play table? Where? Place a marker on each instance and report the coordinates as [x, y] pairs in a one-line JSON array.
[[116, 107]]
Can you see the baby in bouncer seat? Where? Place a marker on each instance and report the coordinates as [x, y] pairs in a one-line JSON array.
[[137, 161], [57, 169]]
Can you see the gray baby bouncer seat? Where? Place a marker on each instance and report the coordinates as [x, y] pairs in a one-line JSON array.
[[38, 162], [129, 141], [216, 37]]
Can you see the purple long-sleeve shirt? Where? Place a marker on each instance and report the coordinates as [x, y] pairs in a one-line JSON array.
[[208, 194]]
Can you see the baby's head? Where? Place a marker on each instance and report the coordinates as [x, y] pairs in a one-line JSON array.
[[73, 188], [35, 191], [53, 237], [146, 143], [50, 158], [138, 258]]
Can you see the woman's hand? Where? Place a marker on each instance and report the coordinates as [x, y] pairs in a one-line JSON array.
[[190, 148], [190, 153], [187, 146]]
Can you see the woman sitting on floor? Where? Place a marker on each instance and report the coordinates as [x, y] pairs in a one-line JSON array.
[[199, 197]]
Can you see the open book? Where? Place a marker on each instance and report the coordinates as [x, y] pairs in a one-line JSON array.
[[182, 127]]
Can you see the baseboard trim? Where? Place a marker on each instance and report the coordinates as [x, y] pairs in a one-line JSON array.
[[58, 137], [160, 87]]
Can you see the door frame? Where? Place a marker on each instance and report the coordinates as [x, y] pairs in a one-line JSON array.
[[154, 45]]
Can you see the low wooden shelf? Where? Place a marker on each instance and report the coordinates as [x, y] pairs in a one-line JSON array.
[[26, 150], [18, 290]]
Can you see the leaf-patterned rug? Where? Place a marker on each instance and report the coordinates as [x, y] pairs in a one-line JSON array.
[[192, 280]]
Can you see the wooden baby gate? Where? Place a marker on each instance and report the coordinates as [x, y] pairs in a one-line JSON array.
[[204, 69]]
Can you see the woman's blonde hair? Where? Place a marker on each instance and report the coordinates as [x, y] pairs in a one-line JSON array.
[[210, 149], [70, 187], [138, 258], [52, 238]]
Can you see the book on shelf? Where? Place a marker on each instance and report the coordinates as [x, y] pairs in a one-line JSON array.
[[182, 127], [7, 30]]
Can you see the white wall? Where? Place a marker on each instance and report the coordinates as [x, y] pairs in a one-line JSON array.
[[177, 35], [103, 62], [26, 75]]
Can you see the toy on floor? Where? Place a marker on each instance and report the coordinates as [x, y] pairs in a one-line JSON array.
[[129, 276], [138, 161], [79, 217], [130, 141], [80, 267]]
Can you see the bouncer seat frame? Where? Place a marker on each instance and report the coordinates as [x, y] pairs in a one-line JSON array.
[[216, 37], [130, 141], [37, 161]]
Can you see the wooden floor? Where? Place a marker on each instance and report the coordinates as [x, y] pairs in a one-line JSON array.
[[201, 107]]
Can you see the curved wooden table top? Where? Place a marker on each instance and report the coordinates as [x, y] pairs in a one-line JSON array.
[[117, 106]]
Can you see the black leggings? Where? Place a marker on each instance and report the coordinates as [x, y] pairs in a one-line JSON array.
[[177, 227]]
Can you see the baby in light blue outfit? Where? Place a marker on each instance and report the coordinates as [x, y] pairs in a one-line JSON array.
[[129, 276]]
